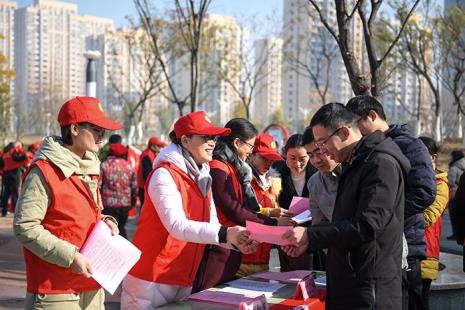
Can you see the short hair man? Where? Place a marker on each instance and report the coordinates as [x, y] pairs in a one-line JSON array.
[[364, 239], [420, 186]]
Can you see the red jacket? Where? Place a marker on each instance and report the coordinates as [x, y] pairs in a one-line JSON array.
[[165, 259], [140, 179], [71, 216], [266, 199], [9, 163]]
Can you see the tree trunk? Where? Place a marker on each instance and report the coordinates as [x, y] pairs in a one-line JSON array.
[[437, 128], [418, 129], [460, 126], [132, 132]]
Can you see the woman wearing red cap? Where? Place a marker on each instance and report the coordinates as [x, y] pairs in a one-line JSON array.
[[118, 185], [59, 205], [178, 218], [235, 200]]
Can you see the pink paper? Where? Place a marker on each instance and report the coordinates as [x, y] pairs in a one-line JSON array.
[[268, 234], [287, 277], [299, 205], [219, 297]]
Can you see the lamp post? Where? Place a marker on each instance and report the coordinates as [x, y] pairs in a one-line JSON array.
[[91, 73]]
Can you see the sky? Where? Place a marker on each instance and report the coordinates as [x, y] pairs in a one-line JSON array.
[[118, 9]]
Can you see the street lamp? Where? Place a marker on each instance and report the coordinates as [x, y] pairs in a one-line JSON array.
[[91, 73]]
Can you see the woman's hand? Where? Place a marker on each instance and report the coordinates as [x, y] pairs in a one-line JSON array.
[[238, 236], [111, 222], [81, 266], [285, 221], [279, 212]]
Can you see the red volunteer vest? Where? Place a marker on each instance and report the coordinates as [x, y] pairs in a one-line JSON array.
[[140, 179], [10, 164], [267, 200], [71, 216], [229, 170], [165, 259]]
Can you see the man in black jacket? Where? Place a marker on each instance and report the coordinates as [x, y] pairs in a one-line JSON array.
[[419, 193], [364, 239]]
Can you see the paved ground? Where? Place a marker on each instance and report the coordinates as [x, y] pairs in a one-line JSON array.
[[12, 274]]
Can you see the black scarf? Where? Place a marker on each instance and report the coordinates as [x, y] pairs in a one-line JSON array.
[[224, 153]]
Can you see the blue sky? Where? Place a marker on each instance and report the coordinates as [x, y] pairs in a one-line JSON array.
[[118, 9]]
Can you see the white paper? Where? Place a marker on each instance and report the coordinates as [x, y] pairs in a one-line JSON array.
[[303, 217], [251, 288], [321, 281], [111, 257]]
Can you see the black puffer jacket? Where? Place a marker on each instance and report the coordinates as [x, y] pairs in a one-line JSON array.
[[420, 187], [365, 237]]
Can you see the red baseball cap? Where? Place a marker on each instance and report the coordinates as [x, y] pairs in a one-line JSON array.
[[157, 141], [117, 149], [266, 146], [198, 123], [85, 110]]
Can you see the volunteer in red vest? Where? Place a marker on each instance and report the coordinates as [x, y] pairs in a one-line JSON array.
[[178, 218], [14, 160], [155, 145], [59, 205], [266, 183]]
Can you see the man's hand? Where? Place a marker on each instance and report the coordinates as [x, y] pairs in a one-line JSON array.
[[237, 235], [250, 247], [81, 266], [296, 236], [285, 221], [294, 251]]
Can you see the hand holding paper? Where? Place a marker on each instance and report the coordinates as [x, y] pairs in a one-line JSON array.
[[269, 234], [296, 236], [299, 205], [110, 257]]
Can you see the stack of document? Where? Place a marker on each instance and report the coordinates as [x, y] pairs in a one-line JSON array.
[[300, 207], [111, 257]]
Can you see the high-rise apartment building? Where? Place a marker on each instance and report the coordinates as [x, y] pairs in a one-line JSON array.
[[306, 41], [49, 62], [267, 94], [124, 68]]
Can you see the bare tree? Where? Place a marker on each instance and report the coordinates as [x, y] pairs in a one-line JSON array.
[[318, 65], [420, 52], [186, 28], [367, 11], [452, 39], [137, 83]]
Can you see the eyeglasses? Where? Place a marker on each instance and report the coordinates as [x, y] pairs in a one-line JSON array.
[[99, 131], [248, 144], [208, 138], [322, 144]]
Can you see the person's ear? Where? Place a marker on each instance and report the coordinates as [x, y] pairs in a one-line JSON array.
[[372, 114], [74, 128], [184, 140], [236, 142], [434, 157], [345, 133]]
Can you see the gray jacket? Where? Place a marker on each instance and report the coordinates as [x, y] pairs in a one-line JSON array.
[[454, 174]]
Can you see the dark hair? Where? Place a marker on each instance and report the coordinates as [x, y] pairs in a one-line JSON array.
[[66, 135], [333, 116], [363, 104], [308, 137], [456, 155], [241, 129], [432, 147], [8, 147], [115, 138], [294, 141], [173, 138]]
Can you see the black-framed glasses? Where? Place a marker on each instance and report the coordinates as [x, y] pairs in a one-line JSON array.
[[322, 144], [248, 144]]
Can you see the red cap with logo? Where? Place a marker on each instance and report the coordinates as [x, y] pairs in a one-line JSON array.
[[266, 146], [117, 149], [85, 110], [198, 123], [157, 141]]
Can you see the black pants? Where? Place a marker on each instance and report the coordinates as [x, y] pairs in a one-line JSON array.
[[141, 196], [426, 289], [413, 286], [10, 188], [121, 215]]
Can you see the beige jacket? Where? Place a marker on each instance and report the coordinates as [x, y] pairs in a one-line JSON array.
[[35, 198]]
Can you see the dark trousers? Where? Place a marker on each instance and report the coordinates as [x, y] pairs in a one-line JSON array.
[[121, 215], [412, 285], [141, 196], [10, 188], [426, 289]]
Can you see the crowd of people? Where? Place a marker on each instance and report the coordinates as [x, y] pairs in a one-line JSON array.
[[376, 200]]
